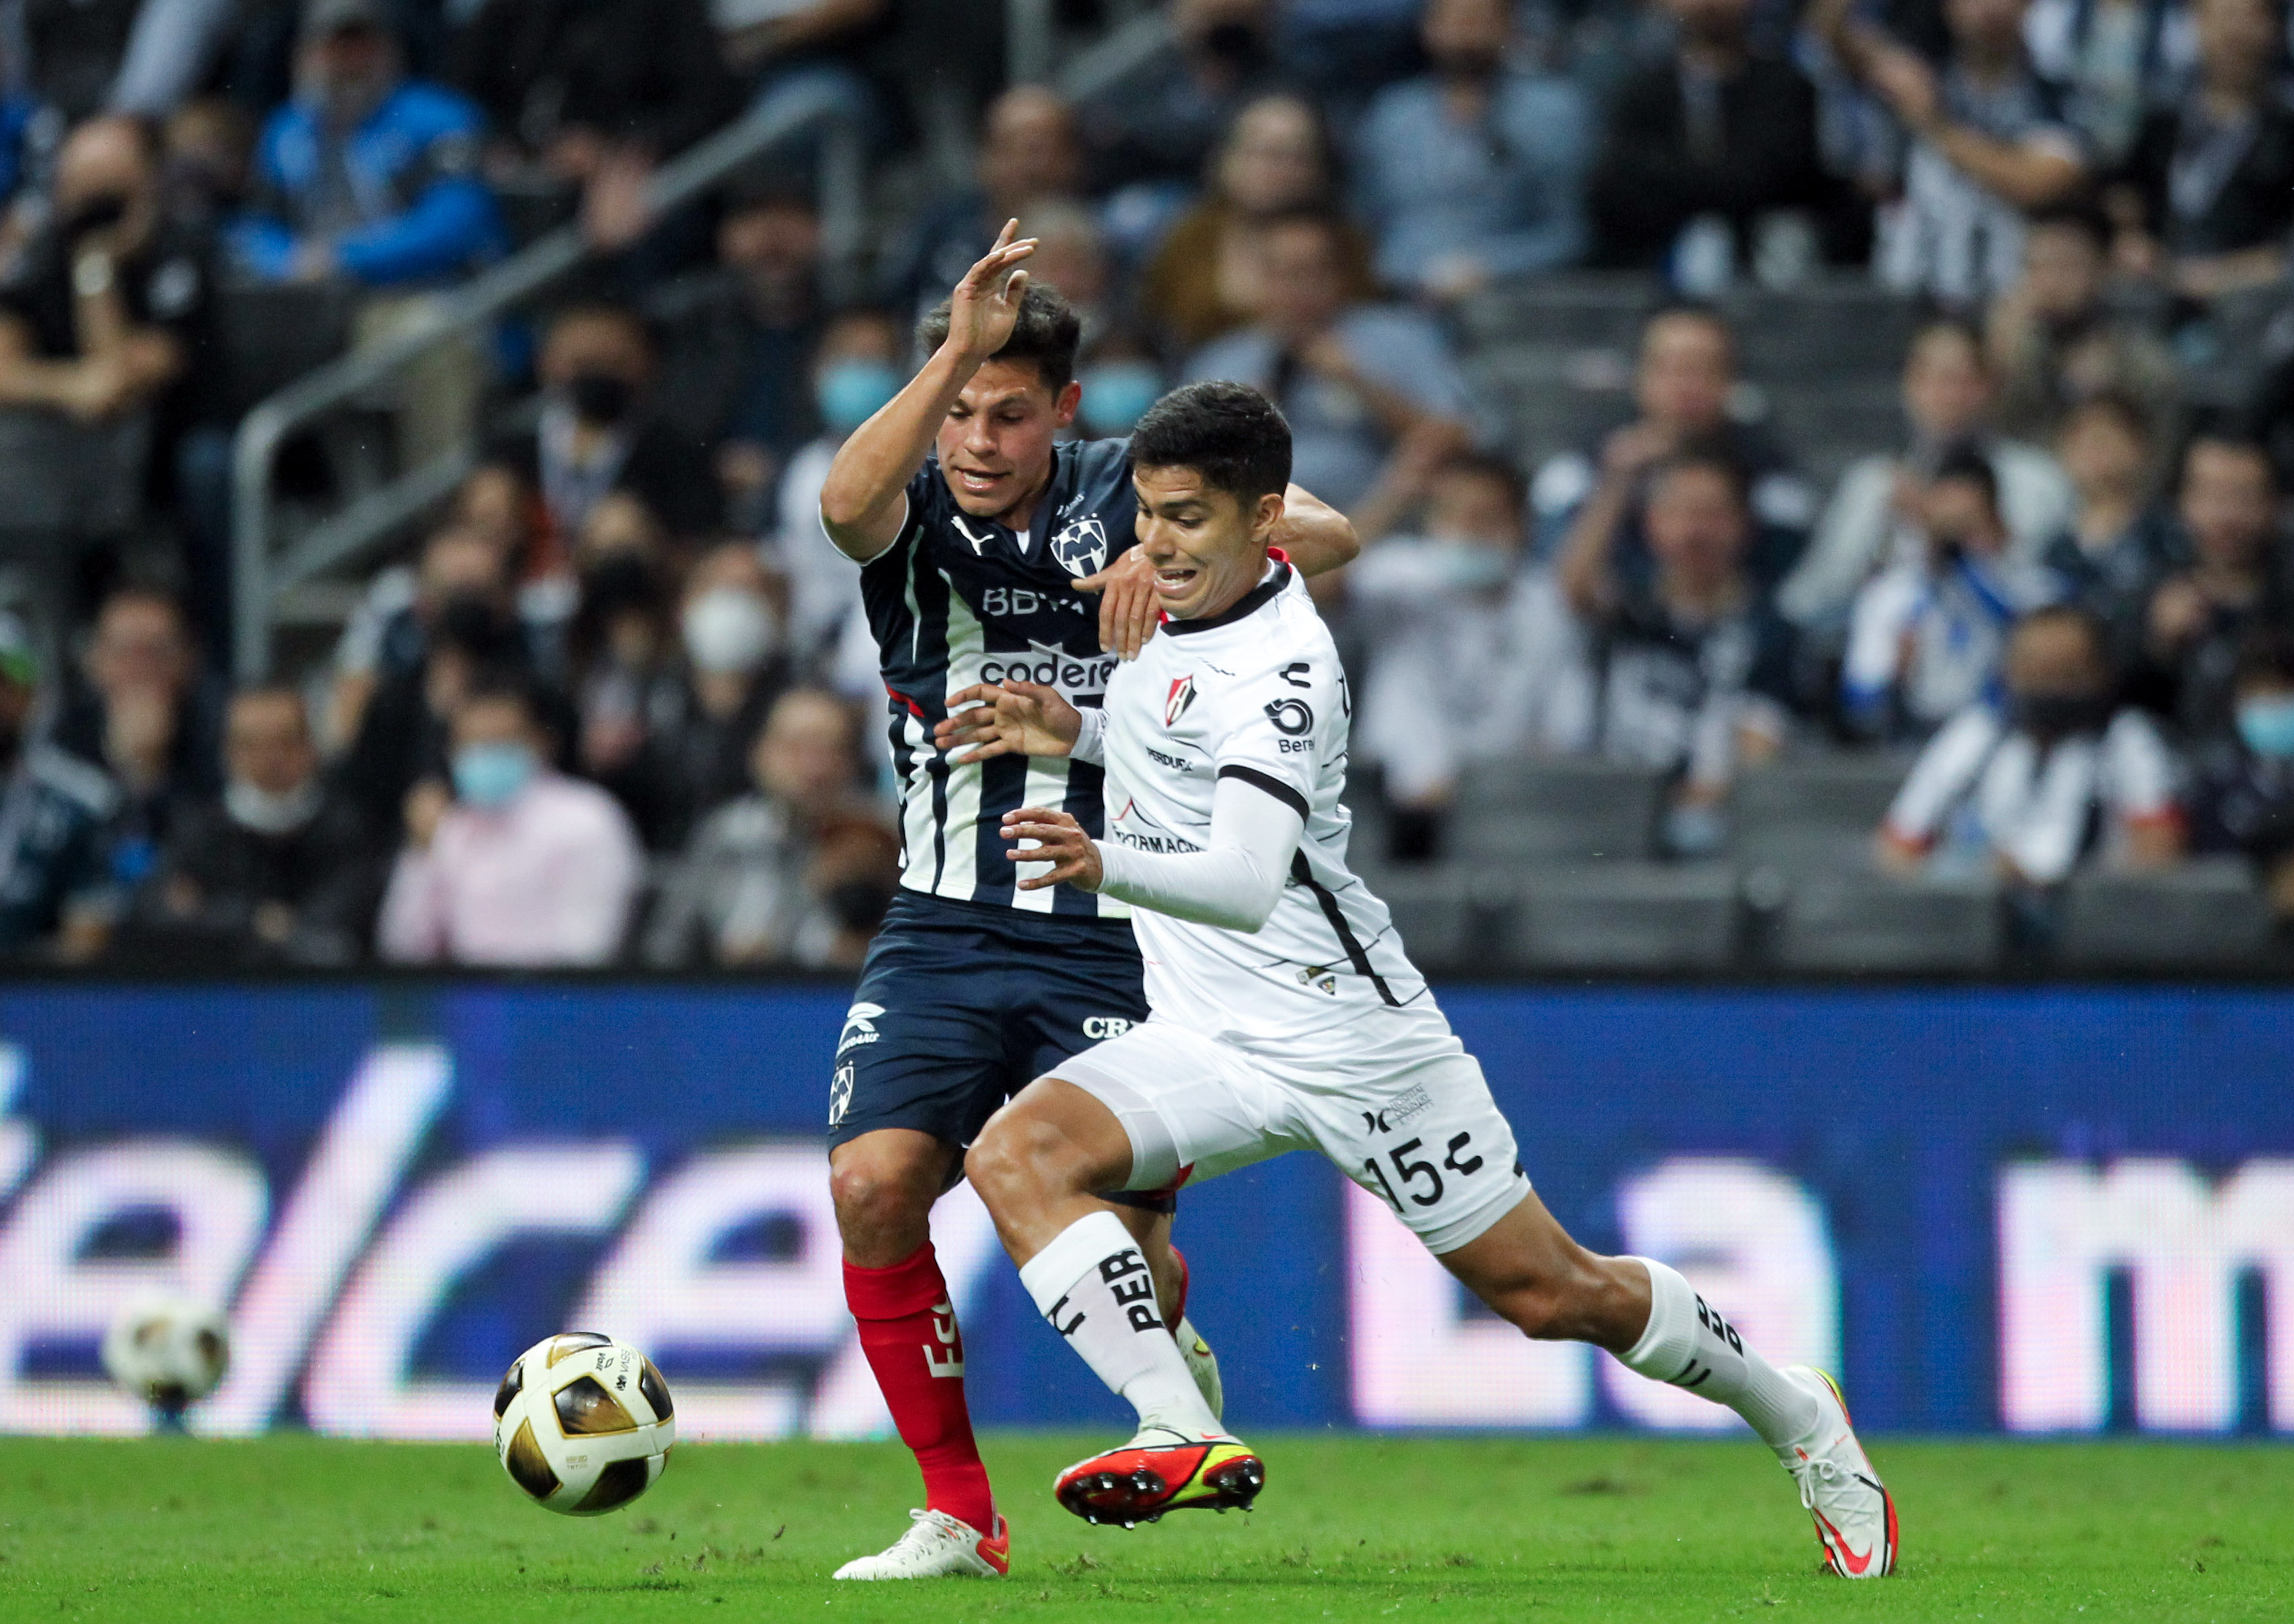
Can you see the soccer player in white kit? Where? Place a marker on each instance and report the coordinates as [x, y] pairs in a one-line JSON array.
[[1286, 1016]]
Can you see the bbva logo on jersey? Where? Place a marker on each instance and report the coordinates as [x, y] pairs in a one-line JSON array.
[[1081, 547]]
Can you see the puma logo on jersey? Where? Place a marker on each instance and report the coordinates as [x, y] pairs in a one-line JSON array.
[[978, 543], [1176, 702]]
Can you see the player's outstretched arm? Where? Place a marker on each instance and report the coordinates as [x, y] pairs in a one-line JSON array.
[[1017, 718], [1316, 537], [864, 501]]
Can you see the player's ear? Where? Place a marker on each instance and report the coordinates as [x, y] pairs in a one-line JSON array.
[[1267, 516], [1064, 404]]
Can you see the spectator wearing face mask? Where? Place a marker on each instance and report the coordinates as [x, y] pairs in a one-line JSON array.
[[278, 870], [109, 401], [623, 673], [2236, 581], [58, 894], [2043, 778], [1122, 379], [2054, 339], [736, 665], [1476, 172], [855, 372], [1470, 656], [797, 870], [522, 866], [1697, 675], [473, 632], [1875, 517], [1925, 636], [2243, 798], [599, 433]]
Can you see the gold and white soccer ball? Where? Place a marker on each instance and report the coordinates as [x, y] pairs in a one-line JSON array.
[[583, 1423], [167, 1349]]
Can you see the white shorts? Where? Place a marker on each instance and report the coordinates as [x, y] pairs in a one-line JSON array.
[[1421, 1133]]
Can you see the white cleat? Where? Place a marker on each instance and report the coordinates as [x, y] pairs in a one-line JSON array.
[[1202, 1364], [937, 1546], [1855, 1520]]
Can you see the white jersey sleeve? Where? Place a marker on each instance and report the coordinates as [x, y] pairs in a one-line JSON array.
[[1233, 882]]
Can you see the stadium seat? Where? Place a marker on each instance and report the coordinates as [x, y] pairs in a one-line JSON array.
[[273, 334], [1871, 923], [2207, 912], [1531, 811], [1586, 311], [1813, 813], [1622, 916], [1845, 330], [1435, 913]]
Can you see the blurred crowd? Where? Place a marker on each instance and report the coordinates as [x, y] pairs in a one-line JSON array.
[[615, 701]]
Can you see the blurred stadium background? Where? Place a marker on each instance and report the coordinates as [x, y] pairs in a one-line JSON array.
[[1824, 654]]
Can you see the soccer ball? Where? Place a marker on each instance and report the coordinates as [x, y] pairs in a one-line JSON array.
[[583, 1423], [169, 1351]]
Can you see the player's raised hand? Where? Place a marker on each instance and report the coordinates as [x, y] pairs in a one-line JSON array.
[[1129, 610], [986, 304], [1017, 718], [1059, 840]]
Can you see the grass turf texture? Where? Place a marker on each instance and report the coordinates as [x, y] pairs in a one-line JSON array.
[[305, 1528]]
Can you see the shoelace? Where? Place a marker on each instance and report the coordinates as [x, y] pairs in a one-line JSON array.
[[1808, 1472], [929, 1525]]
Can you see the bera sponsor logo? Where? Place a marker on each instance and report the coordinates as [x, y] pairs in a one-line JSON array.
[[1176, 702], [1050, 666]]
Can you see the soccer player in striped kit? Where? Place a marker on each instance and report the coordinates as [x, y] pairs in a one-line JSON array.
[[983, 543]]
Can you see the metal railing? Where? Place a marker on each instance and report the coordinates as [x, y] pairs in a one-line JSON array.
[[258, 577]]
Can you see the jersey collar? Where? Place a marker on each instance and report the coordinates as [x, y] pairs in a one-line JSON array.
[[1250, 602]]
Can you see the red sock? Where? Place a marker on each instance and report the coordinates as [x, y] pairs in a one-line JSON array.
[[1179, 1307], [907, 1329]]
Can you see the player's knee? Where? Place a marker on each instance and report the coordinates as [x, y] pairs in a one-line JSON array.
[[1017, 1158], [878, 1195]]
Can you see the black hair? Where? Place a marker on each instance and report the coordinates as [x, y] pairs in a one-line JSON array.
[[1488, 465], [1230, 433], [1712, 456], [1046, 331], [502, 683], [2266, 656], [606, 310], [2132, 415], [1965, 462]]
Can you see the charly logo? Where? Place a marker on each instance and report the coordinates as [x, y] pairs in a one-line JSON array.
[[859, 1026], [840, 1093], [1081, 547], [1176, 702]]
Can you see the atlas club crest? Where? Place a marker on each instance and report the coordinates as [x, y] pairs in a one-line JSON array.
[[1081, 547]]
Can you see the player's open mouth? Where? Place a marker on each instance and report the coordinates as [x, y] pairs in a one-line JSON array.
[[1174, 582], [978, 483]]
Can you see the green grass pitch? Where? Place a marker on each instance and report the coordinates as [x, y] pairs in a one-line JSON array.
[[1615, 1528]]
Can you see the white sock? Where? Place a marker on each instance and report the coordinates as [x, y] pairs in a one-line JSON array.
[[1692, 1347], [1093, 1285]]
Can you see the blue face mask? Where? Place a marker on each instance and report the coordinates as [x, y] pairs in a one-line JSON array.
[[1470, 566], [2267, 726], [849, 393], [490, 775], [1117, 394]]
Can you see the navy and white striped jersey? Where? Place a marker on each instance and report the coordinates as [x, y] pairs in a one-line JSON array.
[[958, 600]]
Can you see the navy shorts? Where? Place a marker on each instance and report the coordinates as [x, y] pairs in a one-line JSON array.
[[962, 1004]]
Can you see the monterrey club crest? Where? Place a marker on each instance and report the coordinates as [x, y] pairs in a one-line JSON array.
[[1176, 703], [1081, 547]]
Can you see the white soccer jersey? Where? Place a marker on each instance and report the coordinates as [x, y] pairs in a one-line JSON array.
[[1255, 693]]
